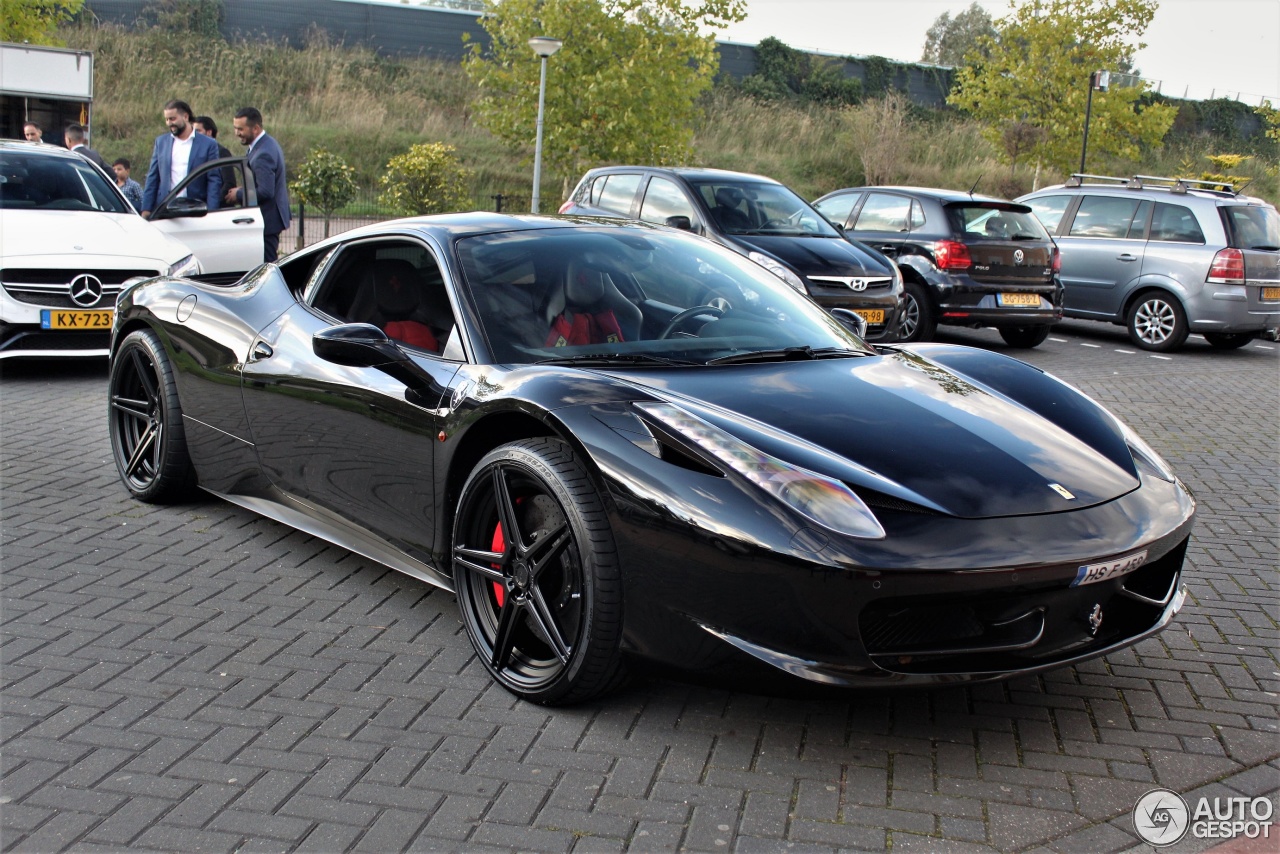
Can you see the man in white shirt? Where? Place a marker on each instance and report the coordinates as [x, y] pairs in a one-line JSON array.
[[175, 155]]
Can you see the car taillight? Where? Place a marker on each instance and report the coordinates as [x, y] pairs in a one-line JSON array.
[[565, 207], [1227, 268], [1057, 260], [952, 255]]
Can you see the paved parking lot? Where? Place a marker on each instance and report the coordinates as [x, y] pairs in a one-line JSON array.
[[196, 678]]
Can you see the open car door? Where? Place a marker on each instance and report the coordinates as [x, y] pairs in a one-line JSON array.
[[228, 240]]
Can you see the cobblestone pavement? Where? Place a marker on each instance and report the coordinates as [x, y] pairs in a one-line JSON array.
[[196, 678]]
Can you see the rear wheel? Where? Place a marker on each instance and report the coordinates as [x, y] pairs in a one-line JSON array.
[[1024, 336], [536, 573], [918, 320], [1228, 340], [145, 422], [1157, 322]]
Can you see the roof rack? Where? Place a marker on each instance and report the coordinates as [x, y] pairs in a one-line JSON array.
[[1143, 182]]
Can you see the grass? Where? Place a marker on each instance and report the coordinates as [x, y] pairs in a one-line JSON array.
[[369, 108]]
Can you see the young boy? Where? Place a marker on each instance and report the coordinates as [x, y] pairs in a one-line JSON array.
[[132, 189]]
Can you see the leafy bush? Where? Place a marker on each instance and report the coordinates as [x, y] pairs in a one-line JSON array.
[[324, 181], [426, 179]]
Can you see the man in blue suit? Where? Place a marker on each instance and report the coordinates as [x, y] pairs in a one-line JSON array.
[[266, 162], [175, 155]]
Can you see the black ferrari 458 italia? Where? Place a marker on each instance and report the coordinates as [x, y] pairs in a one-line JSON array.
[[616, 443]]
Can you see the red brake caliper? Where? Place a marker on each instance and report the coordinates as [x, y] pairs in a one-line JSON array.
[[499, 545]]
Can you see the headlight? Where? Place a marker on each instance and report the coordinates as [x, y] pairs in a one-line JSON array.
[[824, 500], [188, 266], [779, 270], [1144, 455]]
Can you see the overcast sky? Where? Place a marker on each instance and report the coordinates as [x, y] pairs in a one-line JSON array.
[[1194, 47]]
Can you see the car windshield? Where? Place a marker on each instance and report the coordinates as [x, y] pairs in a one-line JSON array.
[[1255, 226], [994, 222], [29, 180], [755, 207], [633, 295]]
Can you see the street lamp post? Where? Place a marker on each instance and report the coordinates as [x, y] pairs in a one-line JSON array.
[[1097, 80], [543, 47]]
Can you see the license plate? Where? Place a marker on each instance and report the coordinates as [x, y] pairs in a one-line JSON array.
[[1271, 293], [871, 315], [1095, 572], [75, 320], [1032, 300]]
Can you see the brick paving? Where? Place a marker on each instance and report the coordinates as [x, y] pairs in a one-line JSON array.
[[196, 678]]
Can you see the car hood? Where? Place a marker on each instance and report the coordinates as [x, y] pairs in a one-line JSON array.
[[818, 256], [53, 238], [907, 427]]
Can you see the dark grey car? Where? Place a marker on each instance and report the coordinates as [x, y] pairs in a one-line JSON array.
[[1166, 257]]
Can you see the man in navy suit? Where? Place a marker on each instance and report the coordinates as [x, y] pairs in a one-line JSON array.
[[175, 155], [266, 162]]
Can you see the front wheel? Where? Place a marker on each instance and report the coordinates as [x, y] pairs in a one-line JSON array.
[[1157, 322], [1024, 337], [536, 573], [145, 422], [1228, 340], [918, 321]]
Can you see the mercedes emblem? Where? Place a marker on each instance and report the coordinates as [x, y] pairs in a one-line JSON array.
[[85, 290]]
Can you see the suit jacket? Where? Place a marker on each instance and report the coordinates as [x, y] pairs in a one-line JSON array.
[[208, 186], [93, 157], [266, 162]]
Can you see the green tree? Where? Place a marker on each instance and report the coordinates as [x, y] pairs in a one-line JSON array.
[[625, 87], [325, 182], [426, 179], [950, 40], [35, 21], [1037, 73]]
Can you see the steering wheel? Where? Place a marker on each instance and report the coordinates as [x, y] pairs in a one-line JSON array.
[[688, 313]]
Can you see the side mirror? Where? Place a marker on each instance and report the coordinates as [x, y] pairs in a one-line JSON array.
[[181, 207], [681, 222], [356, 345], [856, 323]]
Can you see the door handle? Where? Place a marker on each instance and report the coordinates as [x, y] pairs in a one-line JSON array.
[[887, 248], [1125, 256], [244, 220], [261, 350]]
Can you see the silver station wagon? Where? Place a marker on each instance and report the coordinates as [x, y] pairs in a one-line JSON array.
[[1166, 257]]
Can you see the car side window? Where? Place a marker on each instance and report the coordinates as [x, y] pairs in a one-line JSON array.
[[664, 198], [1175, 224], [396, 285], [1104, 216], [917, 215], [838, 208], [884, 212], [1049, 210], [618, 193], [301, 271]]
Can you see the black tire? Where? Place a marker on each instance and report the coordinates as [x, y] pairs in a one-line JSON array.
[[1024, 337], [1228, 340], [1157, 322], [918, 320], [543, 608], [145, 421]]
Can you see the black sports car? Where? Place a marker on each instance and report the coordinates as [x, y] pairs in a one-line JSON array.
[[620, 442]]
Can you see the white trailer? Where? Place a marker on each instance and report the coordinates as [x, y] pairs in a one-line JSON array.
[[50, 86]]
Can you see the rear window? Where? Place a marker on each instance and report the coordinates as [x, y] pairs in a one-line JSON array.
[[993, 222], [1175, 224], [1253, 226], [615, 192]]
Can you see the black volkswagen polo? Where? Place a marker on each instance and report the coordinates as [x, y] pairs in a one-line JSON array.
[[757, 217]]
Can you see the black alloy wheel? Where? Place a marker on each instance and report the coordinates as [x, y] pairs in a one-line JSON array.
[[1157, 322], [536, 573], [918, 321], [145, 422], [1228, 340], [1024, 337]]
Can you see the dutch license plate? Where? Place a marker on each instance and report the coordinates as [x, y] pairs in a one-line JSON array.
[[75, 320], [1271, 293], [1032, 300], [871, 315], [1095, 572]]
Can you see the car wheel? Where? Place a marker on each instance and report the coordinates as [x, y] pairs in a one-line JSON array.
[[536, 573], [145, 422], [1157, 322], [1024, 336], [1228, 340], [917, 321]]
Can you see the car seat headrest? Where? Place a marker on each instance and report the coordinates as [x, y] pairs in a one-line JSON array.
[[396, 286]]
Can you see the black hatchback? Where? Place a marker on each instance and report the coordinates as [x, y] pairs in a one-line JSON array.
[[757, 217], [966, 260]]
